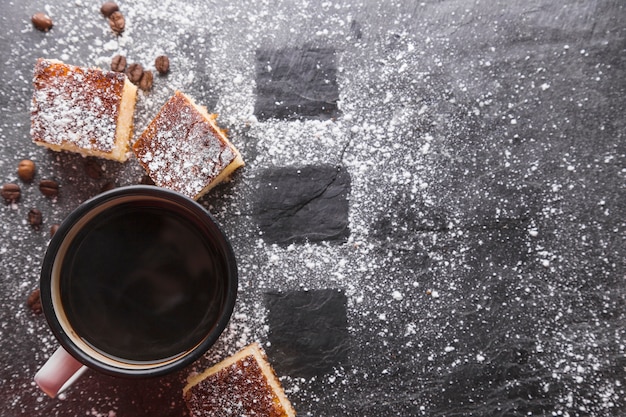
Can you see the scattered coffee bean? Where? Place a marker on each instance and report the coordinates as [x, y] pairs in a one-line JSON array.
[[117, 22], [42, 21], [162, 64], [35, 218], [26, 170], [109, 8], [53, 229], [93, 169], [118, 63], [11, 193], [34, 301], [134, 72], [146, 180], [109, 185], [49, 188], [145, 83]]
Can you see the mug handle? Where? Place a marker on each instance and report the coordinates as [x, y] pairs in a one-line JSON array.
[[59, 372]]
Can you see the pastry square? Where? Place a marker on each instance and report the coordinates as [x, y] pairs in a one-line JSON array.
[[243, 384], [84, 110], [184, 150]]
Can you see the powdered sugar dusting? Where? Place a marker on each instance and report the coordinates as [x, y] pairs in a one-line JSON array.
[[75, 105], [239, 389], [180, 149], [484, 268]]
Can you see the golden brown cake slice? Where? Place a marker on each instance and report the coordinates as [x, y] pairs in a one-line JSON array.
[[183, 149], [243, 384], [84, 110]]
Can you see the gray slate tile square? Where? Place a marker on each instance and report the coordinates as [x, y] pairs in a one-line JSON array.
[[308, 331], [296, 83], [296, 205]]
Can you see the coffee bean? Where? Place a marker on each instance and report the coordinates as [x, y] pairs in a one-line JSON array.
[[118, 63], [162, 64], [26, 170], [35, 218], [93, 169], [41, 21], [11, 193], [117, 22], [53, 229], [145, 83], [134, 72], [49, 188], [109, 8], [34, 301]]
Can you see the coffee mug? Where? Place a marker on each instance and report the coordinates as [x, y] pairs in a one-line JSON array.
[[137, 282]]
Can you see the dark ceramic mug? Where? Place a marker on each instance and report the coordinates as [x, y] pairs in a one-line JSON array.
[[137, 282]]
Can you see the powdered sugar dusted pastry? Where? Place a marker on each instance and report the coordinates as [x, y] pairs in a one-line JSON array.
[[84, 110], [183, 149], [242, 385]]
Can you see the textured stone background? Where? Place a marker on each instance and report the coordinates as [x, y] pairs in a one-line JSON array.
[[430, 221]]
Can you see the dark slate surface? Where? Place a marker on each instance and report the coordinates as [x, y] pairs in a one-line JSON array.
[[308, 332], [296, 83], [303, 204], [431, 216]]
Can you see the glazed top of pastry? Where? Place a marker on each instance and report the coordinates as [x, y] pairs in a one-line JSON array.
[[75, 105], [181, 149], [239, 389]]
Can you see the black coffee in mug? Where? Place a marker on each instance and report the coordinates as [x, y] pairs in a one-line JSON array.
[[137, 282], [143, 283]]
